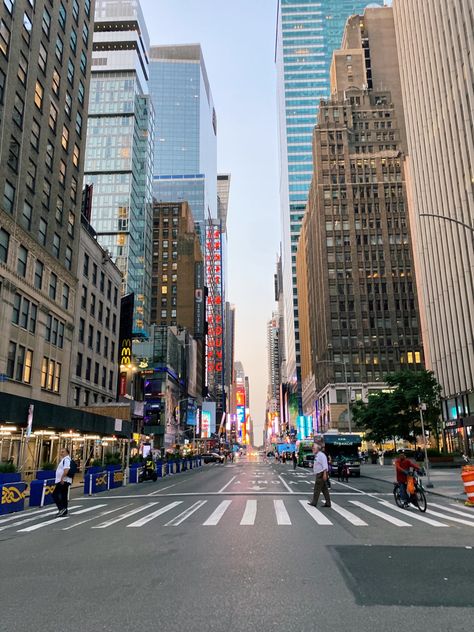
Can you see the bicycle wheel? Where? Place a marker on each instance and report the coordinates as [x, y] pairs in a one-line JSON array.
[[398, 500], [420, 500]]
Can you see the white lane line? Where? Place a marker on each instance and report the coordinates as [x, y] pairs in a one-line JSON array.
[[355, 489], [352, 518], [469, 523], [31, 519], [413, 514], [381, 514], [185, 514], [155, 514], [315, 514], [124, 516], [44, 524], [281, 513], [217, 514], [250, 513], [227, 485], [285, 484], [162, 489], [30, 515], [101, 515], [468, 510], [458, 511]]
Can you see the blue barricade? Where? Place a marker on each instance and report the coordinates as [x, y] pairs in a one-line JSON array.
[[115, 479], [41, 492], [95, 483], [12, 497], [134, 472]]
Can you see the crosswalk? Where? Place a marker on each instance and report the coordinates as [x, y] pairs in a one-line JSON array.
[[360, 510]]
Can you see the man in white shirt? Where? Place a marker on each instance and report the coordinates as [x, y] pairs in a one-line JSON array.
[[320, 469], [63, 482]]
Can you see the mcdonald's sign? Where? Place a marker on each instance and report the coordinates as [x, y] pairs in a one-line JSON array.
[[126, 352]]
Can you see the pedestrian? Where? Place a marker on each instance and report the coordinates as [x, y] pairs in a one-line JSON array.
[[294, 459], [63, 482], [320, 469]]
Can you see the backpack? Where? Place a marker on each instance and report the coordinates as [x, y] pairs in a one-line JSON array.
[[73, 469]]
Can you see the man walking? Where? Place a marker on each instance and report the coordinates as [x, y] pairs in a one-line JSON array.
[[320, 469], [63, 482]]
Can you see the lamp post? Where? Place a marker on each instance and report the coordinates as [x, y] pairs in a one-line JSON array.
[[448, 219], [344, 364], [422, 407]]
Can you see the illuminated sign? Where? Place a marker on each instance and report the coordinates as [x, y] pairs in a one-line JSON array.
[[214, 311], [240, 396], [126, 352], [240, 410], [205, 424]]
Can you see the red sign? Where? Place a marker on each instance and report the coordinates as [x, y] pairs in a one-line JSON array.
[[215, 331]]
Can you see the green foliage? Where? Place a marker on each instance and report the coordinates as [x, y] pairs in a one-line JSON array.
[[113, 458], [7, 468], [48, 465], [397, 413]]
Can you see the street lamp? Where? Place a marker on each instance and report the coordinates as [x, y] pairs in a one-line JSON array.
[[422, 407], [449, 219], [344, 364]]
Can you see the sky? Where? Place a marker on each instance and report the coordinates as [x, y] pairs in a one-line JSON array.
[[238, 40]]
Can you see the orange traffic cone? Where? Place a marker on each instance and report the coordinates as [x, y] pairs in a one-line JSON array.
[[467, 475]]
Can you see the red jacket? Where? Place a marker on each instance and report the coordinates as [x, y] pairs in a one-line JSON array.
[[402, 465]]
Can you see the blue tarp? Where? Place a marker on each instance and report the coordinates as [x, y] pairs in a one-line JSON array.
[[286, 447]]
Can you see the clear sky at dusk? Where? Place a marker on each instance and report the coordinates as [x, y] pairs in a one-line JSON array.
[[238, 41]]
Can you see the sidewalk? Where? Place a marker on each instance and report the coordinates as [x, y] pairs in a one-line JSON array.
[[446, 481]]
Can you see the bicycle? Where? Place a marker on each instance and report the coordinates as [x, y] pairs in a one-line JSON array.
[[418, 498]]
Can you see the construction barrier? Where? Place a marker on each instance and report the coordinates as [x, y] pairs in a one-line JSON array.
[[467, 475]]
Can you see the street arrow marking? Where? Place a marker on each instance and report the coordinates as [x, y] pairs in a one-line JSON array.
[[256, 488]]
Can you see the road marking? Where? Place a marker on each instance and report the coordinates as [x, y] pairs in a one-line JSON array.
[[315, 514], [412, 514], [285, 484], [469, 523], [250, 513], [352, 518], [30, 515], [155, 514], [355, 489], [466, 509], [381, 514], [185, 514], [162, 489], [281, 513], [227, 485], [30, 519], [44, 524], [124, 516], [103, 513], [217, 514], [458, 512]]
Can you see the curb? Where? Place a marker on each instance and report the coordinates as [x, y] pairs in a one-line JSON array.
[[428, 491]]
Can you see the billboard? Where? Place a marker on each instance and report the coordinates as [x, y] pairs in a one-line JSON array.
[[208, 418], [205, 424], [304, 425]]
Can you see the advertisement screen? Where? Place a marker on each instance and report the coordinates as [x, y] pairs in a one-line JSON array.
[[205, 424]]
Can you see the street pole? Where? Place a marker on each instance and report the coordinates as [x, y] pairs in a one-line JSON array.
[[348, 395], [427, 465]]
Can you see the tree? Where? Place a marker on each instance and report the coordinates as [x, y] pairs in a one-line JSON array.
[[396, 412]]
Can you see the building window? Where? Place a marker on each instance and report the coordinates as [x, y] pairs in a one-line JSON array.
[[70, 72], [56, 82], [54, 331], [82, 327], [77, 395], [84, 297], [56, 245], [62, 173], [22, 69], [70, 224], [114, 323], [102, 282], [35, 134], [14, 154], [112, 351], [4, 244], [73, 41], [65, 138], [3, 79], [18, 110], [68, 258], [65, 299], [85, 34], [50, 375], [92, 306], [83, 63], [39, 271], [9, 197], [81, 93], [26, 215], [31, 176], [43, 58], [76, 156], [53, 117], [98, 341], [111, 380], [96, 373], [94, 274], [106, 346], [107, 317], [109, 289], [79, 124], [79, 365], [68, 105], [27, 28], [104, 377], [59, 209], [88, 369], [73, 192], [4, 38], [49, 158], [9, 5], [115, 296], [53, 285], [75, 11], [22, 261], [90, 337], [58, 51], [42, 231], [46, 23], [85, 266], [19, 363], [62, 16], [100, 311], [24, 313]]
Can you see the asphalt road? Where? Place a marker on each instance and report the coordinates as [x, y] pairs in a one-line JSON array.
[[237, 547]]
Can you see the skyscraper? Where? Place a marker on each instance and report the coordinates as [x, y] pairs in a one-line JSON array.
[[119, 147], [307, 33], [185, 147], [435, 48]]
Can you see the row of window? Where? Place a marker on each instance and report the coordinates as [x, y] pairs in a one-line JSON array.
[[87, 397], [101, 278], [99, 310], [98, 340], [99, 375]]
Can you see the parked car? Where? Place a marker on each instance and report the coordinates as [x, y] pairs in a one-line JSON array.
[[308, 460], [213, 457]]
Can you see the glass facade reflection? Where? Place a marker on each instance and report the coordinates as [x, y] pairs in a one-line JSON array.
[[119, 153], [308, 32]]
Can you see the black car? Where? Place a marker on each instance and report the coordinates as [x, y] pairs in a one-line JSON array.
[[308, 460], [213, 457]]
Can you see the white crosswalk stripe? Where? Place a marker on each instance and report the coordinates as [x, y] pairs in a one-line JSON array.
[[282, 515], [30, 519], [159, 512], [352, 518], [185, 514], [217, 514], [35, 527], [315, 514], [30, 515], [469, 523], [250, 513], [413, 514], [381, 514], [124, 516], [465, 513]]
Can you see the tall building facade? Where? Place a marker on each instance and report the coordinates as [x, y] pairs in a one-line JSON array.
[[119, 147], [185, 147], [307, 33], [435, 49], [274, 363], [45, 51], [361, 319]]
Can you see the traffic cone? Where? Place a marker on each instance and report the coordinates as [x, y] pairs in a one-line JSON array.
[[467, 475]]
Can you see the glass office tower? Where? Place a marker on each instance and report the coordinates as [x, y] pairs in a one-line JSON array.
[[185, 148], [307, 34], [119, 147]]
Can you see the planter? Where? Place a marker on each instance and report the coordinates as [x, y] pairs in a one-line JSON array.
[[94, 469], [12, 497], [10, 477], [41, 492], [42, 475], [113, 467]]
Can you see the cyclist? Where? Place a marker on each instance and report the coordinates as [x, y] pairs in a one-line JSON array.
[[402, 468]]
